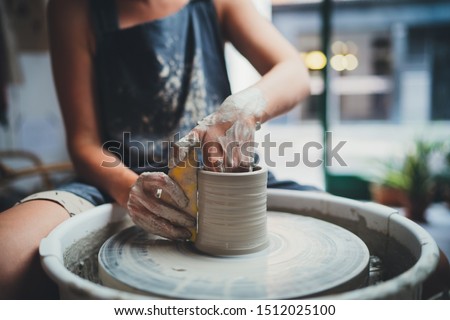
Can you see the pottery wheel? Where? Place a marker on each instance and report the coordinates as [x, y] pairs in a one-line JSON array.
[[305, 257]]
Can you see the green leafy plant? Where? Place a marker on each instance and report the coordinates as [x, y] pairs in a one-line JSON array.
[[412, 178], [416, 168], [392, 176]]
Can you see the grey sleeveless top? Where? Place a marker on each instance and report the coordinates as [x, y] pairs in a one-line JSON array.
[[155, 80]]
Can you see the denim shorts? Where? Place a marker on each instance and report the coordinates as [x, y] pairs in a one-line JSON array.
[[87, 192]]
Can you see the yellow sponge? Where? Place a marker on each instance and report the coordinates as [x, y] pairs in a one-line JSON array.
[[185, 174]]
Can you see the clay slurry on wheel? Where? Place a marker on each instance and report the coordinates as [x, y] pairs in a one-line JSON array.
[[305, 257]]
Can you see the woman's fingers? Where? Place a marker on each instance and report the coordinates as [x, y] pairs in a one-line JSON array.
[[155, 203], [161, 227], [171, 193]]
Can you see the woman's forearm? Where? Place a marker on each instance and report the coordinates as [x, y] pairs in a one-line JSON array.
[[285, 79], [285, 85], [96, 166]]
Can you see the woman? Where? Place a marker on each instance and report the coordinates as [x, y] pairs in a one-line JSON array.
[[129, 75]]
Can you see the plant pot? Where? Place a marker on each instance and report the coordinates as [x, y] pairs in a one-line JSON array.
[[388, 196], [416, 207]]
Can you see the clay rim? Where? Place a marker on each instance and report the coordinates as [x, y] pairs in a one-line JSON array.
[[256, 170]]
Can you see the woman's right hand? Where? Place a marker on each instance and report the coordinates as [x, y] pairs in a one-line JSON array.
[[156, 204], [227, 135]]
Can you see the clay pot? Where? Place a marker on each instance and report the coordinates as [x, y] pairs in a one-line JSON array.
[[232, 212], [388, 196], [416, 207]]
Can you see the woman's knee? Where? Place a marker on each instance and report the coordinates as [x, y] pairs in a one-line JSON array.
[[21, 230]]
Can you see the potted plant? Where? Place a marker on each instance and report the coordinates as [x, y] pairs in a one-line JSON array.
[[388, 188], [410, 183], [418, 180]]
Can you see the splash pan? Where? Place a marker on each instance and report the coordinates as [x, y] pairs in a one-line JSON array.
[[69, 255]]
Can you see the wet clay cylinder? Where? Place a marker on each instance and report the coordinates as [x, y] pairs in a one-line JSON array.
[[232, 212]]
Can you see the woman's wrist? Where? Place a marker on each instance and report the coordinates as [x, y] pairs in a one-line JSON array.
[[120, 192]]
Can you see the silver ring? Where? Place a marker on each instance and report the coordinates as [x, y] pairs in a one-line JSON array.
[[158, 193], [257, 125]]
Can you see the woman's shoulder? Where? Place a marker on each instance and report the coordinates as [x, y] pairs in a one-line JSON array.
[[74, 7], [228, 8], [231, 4], [234, 14], [69, 18], [68, 13]]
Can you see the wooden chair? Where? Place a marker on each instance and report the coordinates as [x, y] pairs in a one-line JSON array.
[[44, 171], [9, 194]]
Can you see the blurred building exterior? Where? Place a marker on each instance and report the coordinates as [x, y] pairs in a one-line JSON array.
[[398, 69], [387, 72]]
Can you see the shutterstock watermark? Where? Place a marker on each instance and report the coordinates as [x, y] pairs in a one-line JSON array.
[[308, 151], [157, 155]]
